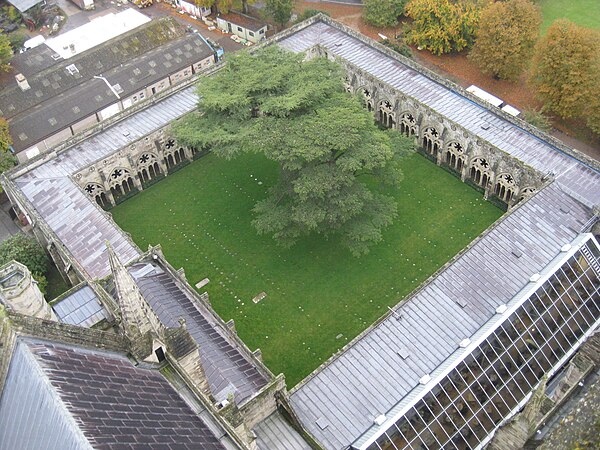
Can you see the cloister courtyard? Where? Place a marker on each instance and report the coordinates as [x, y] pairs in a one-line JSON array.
[[318, 296]]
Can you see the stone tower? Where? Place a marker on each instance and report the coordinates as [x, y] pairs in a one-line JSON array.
[[20, 292]]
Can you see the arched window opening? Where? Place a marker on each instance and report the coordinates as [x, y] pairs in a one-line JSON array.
[[386, 114], [479, 172], [431, 142], [505, 187]]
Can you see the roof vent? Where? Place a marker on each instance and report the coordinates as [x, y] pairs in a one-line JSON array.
[[535, 277], [403, 353], [55, 56], [72, 47], [501, 309], [485, 126], [464, 343], [424, 379], [517, 253], [72, 69], [565, 248], [462, 302], [565, 209], [379, 420], [322, 423], [22, 82], [117, 88]]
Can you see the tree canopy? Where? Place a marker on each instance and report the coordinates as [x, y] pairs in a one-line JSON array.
[[505, 38], [279, 10], [6, 52], [25, 250], [297, 114], [7, 159], [383, 13], [566, 71], [443, 26]]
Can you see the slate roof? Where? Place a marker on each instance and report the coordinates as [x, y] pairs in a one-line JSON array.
[[63, 397], [82, 307], [92, 95], [225, 366], [340, 401], [275, 433], [79, 223], [501, 133], [48, 77]]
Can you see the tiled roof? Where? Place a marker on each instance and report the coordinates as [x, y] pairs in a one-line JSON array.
[[341, 399], [95, 399], [275, 433], [339, 402], [478, 120], [225, 366], [49, 78], [80, 224], [84, 97]]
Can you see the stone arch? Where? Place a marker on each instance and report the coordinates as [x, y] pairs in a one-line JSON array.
[[505, 187], [527, 192], [431, 140], [366, 94], [385, 114], [148, 167], [479, 171], [96, 191], [120, 181], [408, 124], [455, 155]]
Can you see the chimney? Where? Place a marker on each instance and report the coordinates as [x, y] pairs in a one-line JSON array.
[[72, 47], [22, 82]]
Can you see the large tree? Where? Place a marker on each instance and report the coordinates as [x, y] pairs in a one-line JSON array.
[[383, 13], [443, 26], [279, 10], [325, 142], [505, 38], [566, 72]]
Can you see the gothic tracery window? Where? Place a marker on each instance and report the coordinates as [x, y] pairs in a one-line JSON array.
[[386, 114], [408, 124]]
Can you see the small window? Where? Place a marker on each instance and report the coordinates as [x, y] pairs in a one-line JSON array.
[[262, 31], [251, 33], [142, 95], [135, 99], [240, 29]]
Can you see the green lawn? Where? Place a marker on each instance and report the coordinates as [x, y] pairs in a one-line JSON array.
[[318, 295], [583, 12]]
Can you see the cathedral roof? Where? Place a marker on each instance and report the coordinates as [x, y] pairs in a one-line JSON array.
[[61, 396]]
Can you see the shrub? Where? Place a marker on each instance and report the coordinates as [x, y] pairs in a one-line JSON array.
[[25, 250], [399, 46], [383, 13], [308, 13], [538, 119]]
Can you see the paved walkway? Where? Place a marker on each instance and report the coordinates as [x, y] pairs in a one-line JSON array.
[[7, 226]]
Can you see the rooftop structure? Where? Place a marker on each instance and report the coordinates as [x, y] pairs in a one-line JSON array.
[[59, 94], [450, 364]]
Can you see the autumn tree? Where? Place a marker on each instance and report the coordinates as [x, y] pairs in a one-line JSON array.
[[505, 38], [383, 13], [7, 159], [443, 26], [325, 143], [6, 52], [279, 10], [565, 69]]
